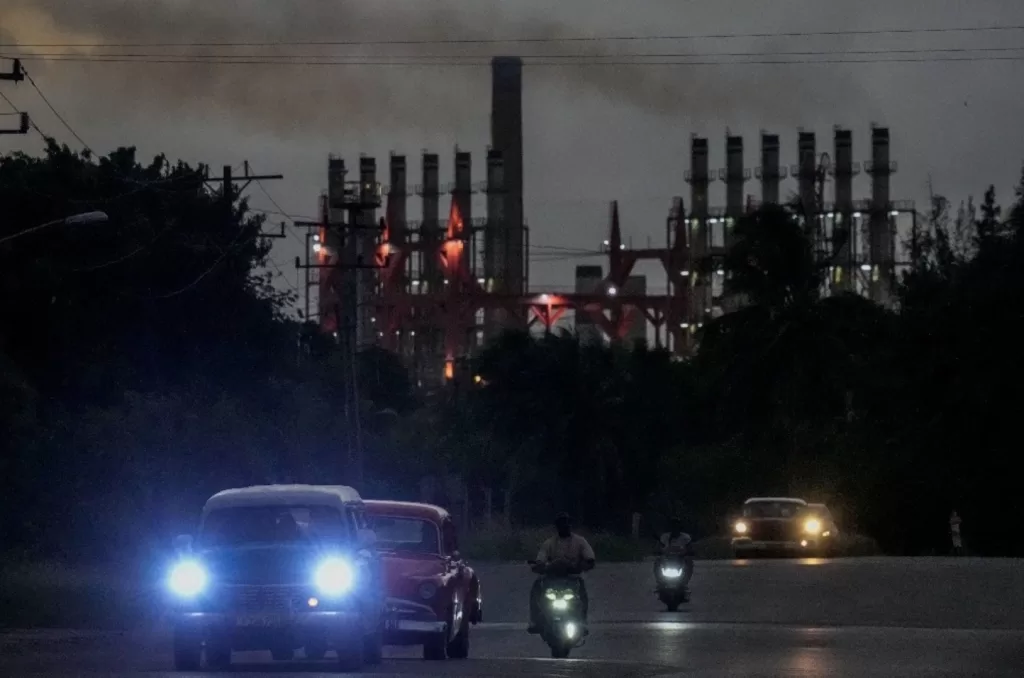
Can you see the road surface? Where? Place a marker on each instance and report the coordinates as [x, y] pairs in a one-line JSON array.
[[864, 618]]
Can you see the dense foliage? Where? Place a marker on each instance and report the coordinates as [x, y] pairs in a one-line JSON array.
[[148, 361]]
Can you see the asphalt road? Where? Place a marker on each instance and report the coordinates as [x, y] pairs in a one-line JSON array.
[[876, 617]]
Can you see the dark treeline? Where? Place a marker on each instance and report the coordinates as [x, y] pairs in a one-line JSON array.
[[148, 362]]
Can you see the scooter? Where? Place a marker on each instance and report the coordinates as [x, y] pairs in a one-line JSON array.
[[563, 622], [671, 589]]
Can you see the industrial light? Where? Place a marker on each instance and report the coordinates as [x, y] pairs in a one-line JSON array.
[[612, 291], [317, 247], [316, 237], [866, 268], [684, 325], [684, 273], [894, 213], [545, 298]]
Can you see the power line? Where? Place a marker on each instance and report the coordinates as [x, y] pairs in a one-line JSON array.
[[54, 111], [543, 40], [358, 59], [527, 62]]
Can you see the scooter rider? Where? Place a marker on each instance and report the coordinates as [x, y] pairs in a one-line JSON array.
[[675, 542], [566, 549]]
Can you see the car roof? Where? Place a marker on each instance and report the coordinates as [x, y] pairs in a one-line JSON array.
[[405, 509], [791, 500], [278, 495], [818, 506]]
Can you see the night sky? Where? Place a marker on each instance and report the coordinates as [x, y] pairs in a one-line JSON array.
[[591, 134]]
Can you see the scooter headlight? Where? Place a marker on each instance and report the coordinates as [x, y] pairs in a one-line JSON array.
[[188, 579], [671, 572], [334, 577]]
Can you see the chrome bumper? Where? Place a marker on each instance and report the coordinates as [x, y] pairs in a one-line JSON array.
[[405, 616], [222, 619]]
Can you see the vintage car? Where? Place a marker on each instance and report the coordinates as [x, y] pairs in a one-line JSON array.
[[779, 525], [278, 568], [433, 597]]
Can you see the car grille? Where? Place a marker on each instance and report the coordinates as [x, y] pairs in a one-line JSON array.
[[259, 599], [771, 530]]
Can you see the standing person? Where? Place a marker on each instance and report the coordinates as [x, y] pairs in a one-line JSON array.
[[954, 533], [566, 550]]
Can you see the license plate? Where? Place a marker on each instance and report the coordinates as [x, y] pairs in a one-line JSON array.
[[258, 620]]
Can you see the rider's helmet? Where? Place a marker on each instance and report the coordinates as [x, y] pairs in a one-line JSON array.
[[675, 525], [563, 524]]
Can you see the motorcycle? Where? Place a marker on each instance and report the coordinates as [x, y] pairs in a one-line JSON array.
[[563, 623], [671, 589]]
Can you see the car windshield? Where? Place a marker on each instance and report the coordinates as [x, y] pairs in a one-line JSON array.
[[772, 509], [260, 525], [406, 534]]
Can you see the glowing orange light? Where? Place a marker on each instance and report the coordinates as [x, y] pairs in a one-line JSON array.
[[449, 369]]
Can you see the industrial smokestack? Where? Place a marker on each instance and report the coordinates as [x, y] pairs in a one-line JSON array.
[[883, 223], [807, 169], [770, 170], [507, 138], [462, 194], [734, 175], [839, 224], [495, 242], [429, 226], [398, 199]]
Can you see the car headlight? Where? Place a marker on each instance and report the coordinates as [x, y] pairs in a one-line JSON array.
[[812, 526], [334, 577], [740, 527], [428, 590], [188, 579], [671, 572]]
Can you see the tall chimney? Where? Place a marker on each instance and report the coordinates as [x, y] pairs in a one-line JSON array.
[[770, 170], [507, 138], [495, 242], [735, 178], [365, 240], [807, 172], [430, 227], [462, 194], [883, 223], [398, 199], [699, 177], [839, 227]]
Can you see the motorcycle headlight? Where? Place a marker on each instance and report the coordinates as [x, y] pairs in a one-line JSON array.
[[812, 526], [428, 590], [740, 527], [560, 604], [671, 572], [334, 577], [188, 579]]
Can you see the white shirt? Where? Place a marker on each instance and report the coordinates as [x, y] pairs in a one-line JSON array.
[[573, 549]]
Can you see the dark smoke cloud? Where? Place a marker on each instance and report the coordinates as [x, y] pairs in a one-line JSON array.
[[316, 100]]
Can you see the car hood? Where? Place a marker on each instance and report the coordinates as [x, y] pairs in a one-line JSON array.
[[403, 573], [264, 564]]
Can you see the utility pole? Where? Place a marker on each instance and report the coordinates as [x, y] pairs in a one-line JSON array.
[[16, 75], [337, 251]]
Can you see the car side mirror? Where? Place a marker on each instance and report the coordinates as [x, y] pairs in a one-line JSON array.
[[367, 539], [183, 543]]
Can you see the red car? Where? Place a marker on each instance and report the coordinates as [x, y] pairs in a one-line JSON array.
[[433, 597]]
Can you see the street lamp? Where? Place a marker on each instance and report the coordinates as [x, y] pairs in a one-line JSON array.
[[74, 220]]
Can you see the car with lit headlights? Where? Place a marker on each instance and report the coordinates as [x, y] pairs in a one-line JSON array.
[[279, 568], [433, 595], [783, 525]]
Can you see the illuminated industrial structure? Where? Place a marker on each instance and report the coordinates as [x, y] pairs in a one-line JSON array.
[[435, 291]]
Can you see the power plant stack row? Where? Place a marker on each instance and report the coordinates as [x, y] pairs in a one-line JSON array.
[[436, 289], [856, 237]]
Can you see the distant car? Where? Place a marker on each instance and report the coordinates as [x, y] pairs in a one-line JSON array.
[[828, 543], [278, 568], [433, 596], [779, 525]]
